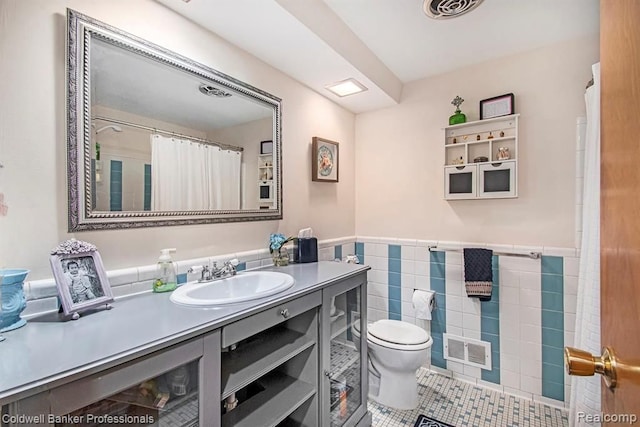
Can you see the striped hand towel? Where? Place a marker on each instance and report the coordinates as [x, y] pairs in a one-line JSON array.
[[478, 274]]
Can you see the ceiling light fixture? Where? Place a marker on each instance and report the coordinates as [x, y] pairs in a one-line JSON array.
[[213, 91], [445, 9], [346, 87]]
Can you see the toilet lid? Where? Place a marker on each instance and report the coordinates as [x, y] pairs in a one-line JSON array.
[[398, 332]]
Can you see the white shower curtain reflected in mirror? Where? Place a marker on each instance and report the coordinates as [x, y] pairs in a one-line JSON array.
[[188, 175], [585, 391]]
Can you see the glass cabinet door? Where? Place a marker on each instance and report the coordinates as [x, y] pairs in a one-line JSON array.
[[344, 370], [167, 388], [169, 399]]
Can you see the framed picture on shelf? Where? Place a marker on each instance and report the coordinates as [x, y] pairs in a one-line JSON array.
[[497, 106], [80, 277], [266, 147], [324, 160]]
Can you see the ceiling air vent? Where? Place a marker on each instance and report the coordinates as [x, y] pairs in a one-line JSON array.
[[445, 9], [213, 91]]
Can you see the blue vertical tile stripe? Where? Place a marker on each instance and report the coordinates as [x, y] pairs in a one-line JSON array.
[[337, 252], [360, 252], [147, 187], [395, 282], [115, 187], [552, 327], [490, 326], [439, 314]]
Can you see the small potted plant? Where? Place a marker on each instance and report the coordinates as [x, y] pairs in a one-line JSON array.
[[276, 242]]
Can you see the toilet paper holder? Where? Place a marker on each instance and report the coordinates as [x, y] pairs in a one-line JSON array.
[[419, 298]]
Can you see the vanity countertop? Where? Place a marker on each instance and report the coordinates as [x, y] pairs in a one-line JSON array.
[[48, 351]]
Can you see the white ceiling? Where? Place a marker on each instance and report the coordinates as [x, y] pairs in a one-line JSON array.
[[384, 43]]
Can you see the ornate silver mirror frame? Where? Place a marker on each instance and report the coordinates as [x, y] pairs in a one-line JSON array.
[[81, 31]]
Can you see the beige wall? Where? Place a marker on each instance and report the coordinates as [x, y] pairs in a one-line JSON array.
[[32, 140], [400, 154]]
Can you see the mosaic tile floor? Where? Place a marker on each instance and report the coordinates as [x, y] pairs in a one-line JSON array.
[[462, 404]]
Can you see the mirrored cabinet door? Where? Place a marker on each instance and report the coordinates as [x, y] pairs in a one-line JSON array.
[[345, 366]]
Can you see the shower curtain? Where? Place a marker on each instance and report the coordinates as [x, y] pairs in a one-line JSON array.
[[188, 175], [585, 391]]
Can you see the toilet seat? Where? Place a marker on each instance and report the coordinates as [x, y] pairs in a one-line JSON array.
[[398, 335]]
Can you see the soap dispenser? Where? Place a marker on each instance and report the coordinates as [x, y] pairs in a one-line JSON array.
[[165, 272]]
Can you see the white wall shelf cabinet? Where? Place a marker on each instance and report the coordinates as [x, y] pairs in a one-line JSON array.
[[475, 163], [266, 187]]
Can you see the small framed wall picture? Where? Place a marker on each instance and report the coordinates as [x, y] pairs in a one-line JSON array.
[[266, 147], [497, 106], [80, 277], [324, 160]]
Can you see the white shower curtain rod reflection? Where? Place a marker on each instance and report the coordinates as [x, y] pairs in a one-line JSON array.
[[533, 255], [167, 132]]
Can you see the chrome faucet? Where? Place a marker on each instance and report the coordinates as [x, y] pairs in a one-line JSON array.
[[228, 269], [205, 273]]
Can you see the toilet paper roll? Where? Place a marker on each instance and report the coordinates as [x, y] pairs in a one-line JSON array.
[[424, 302]]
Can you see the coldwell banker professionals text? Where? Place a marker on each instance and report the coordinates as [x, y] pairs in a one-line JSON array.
[[77, 419]]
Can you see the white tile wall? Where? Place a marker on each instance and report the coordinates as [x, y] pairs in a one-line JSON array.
[[520, 307]]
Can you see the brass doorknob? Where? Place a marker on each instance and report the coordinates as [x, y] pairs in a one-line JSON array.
[[582, 363]]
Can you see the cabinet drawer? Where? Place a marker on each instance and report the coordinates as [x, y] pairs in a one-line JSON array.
[[245, 328], [497, 179], [460, 182]]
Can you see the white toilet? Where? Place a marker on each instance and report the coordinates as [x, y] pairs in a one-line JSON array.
[[396, 350]]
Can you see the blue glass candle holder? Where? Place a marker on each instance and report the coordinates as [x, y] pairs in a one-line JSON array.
[[12, 298]]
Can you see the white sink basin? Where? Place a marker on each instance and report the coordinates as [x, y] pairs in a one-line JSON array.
[[242, 287]]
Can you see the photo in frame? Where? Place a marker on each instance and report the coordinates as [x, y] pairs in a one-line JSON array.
[[266, 147], [497, 106], [324, 160], [80, 277]]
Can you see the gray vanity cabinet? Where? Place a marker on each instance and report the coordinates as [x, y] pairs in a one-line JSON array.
[[295, 362], [344, 354], [171, 387]]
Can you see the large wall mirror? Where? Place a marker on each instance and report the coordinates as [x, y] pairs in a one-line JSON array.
[[157, 139]]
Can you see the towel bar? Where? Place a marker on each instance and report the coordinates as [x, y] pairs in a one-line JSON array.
[[532, 255]]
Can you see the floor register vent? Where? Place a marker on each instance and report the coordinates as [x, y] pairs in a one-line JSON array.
[[468, 351]]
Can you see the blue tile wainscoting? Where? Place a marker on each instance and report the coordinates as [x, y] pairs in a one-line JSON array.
[[528, 321], [115, 186], [530, 318], [439, 315], [490, 325], [147, 187], [552, 327], [395, 282]]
